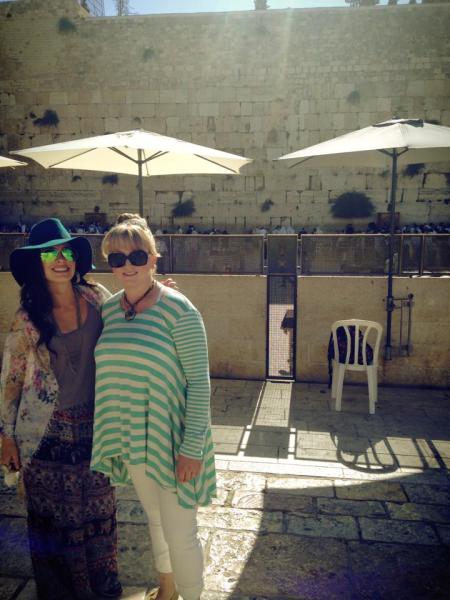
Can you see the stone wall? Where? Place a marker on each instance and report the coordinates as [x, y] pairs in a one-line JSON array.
[[234, 311], [258, 83], [233, 308]]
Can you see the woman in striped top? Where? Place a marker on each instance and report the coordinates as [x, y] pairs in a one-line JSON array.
[[152, 415]]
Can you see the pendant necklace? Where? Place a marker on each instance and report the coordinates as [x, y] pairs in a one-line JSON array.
[[130, 312]]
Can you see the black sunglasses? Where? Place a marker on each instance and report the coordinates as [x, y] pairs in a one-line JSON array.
[[138, 258]]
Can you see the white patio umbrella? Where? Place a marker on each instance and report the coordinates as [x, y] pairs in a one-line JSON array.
[[388, 144], [137, 152], [10, 162]]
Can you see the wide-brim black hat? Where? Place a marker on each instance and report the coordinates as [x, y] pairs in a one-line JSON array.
[[45, 234]]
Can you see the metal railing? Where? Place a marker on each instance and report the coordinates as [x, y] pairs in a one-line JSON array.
[[318, 254]]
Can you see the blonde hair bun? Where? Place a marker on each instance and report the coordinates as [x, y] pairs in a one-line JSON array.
[[134, 218]]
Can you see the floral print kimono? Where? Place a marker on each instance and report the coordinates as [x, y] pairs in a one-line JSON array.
[[71, 510]]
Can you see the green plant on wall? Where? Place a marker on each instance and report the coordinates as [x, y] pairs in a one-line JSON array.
[[413, 169], [183, 209], [65, 25], [49, 119], [148, 54], [352, 205], [266, 205], [354, 97]]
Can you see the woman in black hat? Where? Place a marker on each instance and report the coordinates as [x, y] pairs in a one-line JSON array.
[[47, 405]]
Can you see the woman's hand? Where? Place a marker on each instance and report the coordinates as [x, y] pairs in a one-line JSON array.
[[170, 283], [10, 454], [188, 468]]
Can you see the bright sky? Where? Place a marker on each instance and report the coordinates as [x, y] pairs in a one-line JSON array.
[[145, 7]]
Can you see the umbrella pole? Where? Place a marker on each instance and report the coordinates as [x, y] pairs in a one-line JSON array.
[[140, 188], [390, 299]]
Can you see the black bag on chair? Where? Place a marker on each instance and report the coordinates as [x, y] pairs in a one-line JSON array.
[[342, 349]]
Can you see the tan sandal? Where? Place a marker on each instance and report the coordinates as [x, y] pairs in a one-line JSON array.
[[152, 594]]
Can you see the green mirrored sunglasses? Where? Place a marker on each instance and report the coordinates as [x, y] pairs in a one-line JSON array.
[[52, 254]]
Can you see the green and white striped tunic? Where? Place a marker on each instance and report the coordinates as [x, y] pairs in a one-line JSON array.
[[153, 396]]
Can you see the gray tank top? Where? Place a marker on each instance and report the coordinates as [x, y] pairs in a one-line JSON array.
[[73, 363]]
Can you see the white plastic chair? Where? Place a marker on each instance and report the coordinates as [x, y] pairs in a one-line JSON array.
[[338, 373]]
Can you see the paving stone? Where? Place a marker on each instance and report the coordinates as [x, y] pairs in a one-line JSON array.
[[269, 501], [327, 526], [126, 493], [443, 447], [14, 548], [12, 505], [225, 448], [219, 517], [418, 462], [402, 445], [136, 564], [430, 476], [130, 511], [425, 574], [374, 570], [320, 441], [227, 434], [432, 494], [221, 498], [397, 571], [444, 533], [277, 566], [301, 485], [355, 508], [230, 480], [406, 532], [248, 499], [264, 451], [377, 490], [29, 592], [411, 511], [8, 587]]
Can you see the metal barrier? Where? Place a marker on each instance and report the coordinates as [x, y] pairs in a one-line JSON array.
[[367, 254], [318, 254]]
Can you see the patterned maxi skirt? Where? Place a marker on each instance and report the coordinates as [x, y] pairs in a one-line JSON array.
[[71, 511]]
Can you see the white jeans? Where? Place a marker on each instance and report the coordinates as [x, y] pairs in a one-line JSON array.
[[173, 532]]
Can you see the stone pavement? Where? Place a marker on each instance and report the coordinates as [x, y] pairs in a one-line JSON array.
[[312, 504]]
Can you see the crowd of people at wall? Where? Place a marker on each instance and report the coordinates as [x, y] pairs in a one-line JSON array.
[[97, 228]]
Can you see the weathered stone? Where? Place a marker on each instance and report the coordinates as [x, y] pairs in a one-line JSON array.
[[14, 552], [136, 564], [411, 511], [300, 485], [276, 566], [398, 571], [130, 511], [323, 526], [362, 490], [241, 480], [355, 508], [218, 517], [8, 587], [444, 533], [405, 532], [12, 505], [432, 494], [29, 592]]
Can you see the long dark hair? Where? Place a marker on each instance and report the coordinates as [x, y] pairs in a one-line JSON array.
[[36, 300]]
